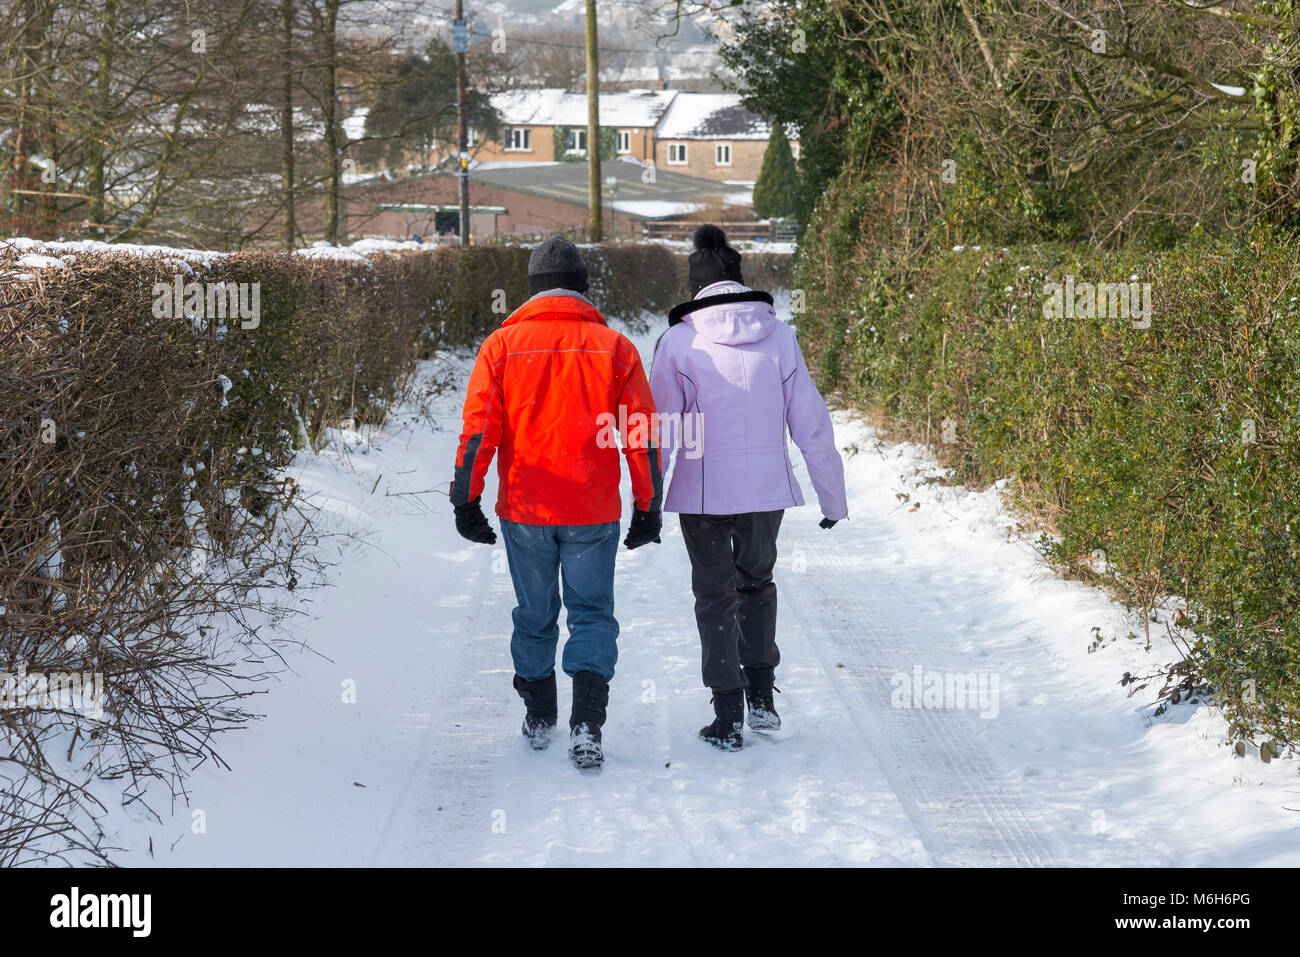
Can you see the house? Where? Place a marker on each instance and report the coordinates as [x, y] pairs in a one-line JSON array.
[[714, 136], [536, 122], [707, 135]]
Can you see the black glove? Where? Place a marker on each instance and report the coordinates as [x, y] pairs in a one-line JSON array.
[[644, 529], [827, 523], [473, 524]]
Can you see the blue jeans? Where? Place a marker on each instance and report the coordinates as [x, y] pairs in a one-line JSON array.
[[584, 554]]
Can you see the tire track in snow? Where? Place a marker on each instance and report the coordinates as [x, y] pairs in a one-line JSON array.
[[941, 771], [447, 794]]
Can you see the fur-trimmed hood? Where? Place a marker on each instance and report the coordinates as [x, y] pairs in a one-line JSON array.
[[730, 318]]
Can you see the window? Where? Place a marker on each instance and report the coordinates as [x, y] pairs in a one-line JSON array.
[[519, 138], [677, 154], [721, 154], [623, 141], [575, 140]]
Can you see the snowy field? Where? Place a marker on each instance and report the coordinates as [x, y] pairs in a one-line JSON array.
[[1049, 762]]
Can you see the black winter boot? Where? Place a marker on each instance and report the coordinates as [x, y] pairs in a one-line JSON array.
[[724, 733], [759, 697], [541, 711], [590, 698]]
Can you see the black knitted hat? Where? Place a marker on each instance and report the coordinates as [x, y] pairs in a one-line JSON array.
[[712, 261]]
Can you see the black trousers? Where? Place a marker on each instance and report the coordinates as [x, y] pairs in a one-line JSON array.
[[732, 557]]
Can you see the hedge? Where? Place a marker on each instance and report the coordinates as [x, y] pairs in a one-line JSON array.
[[1172, 450]]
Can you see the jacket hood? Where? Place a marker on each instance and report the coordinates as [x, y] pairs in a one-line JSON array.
[[728, 318], [556, 304]]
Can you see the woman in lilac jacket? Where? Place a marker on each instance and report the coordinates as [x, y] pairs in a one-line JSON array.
[[729, 384]]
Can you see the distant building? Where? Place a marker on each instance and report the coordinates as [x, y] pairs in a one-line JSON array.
[[690, 68], [708, 135], [534, 200], [714, 136]]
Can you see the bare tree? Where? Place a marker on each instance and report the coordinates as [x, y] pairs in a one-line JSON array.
[[289, 229]]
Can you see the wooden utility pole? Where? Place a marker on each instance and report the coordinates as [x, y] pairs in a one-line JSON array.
[[593, 126], [460, 43]]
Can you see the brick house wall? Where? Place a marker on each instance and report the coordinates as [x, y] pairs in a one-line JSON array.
[[641, 143], [542, 148], [746, 159]]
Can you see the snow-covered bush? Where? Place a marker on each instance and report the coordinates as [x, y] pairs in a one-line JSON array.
[[143, 516], [1170, 443]]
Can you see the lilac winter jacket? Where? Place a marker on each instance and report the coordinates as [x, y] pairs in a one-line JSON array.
[[728, 365]]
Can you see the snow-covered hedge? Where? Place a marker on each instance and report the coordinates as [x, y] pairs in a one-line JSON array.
[[1159, 449], [149, 396]]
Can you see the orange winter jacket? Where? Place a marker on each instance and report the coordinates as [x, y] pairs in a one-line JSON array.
[[550, 389]]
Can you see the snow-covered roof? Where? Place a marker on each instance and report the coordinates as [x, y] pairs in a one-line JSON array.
[[674, 115], [556, 107], [670, 194], [509, 164], [711, 116], [654, 208]]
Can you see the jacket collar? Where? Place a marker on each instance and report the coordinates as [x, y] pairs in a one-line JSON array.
[[556, 304], [560, 291], [680, 312]]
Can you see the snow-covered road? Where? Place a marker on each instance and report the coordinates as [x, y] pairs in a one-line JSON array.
[[1035, 756]]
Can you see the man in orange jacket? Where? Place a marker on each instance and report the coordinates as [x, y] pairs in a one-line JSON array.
[[545, 389]]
